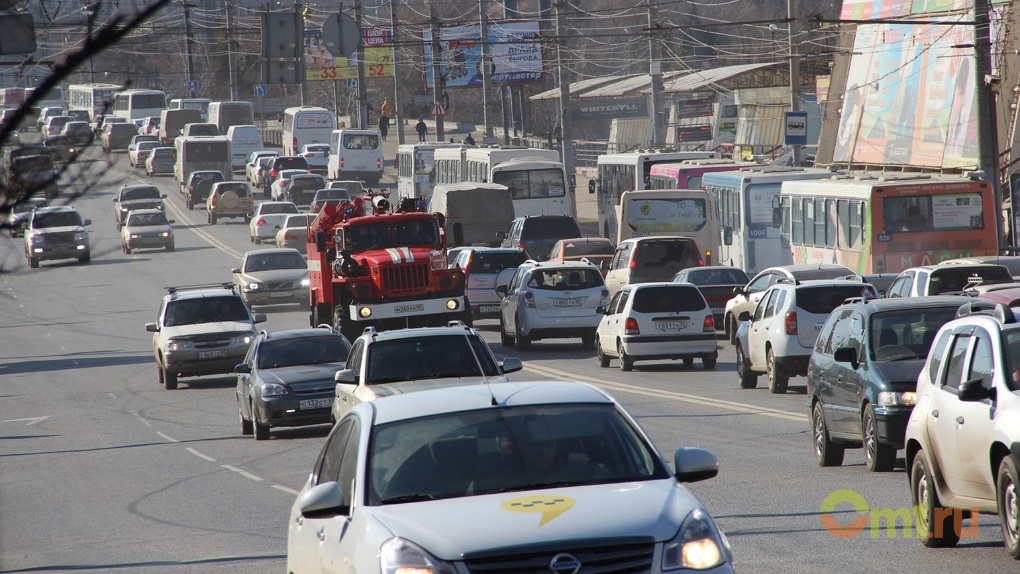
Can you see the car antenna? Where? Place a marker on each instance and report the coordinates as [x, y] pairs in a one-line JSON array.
[[485, 378]]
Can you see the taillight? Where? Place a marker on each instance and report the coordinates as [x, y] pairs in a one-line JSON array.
[[631, 327], [341, 163], [529, 299], [213, 200], [309, 171], [251, 200], [272, 173], [286, 235], [378, 163], [260, 221], [191, 189], [295, 143], [709, 324], [791, 323], [633, 257]]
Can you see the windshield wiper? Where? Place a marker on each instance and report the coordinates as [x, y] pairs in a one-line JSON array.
[[407, 498], [386, 380], [534, 486]]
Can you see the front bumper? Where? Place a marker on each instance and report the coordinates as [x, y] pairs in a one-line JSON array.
[[275, 296], [150, 241], [404, 309], [50, 252], [559, 327], [891, 423], [672, 346], [194, 363], [288, 412]]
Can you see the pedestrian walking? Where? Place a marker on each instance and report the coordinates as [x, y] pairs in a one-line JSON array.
[[384, 126], [422, 129]]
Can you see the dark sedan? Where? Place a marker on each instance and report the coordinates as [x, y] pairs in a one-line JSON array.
[[287, 379], [716, 284]]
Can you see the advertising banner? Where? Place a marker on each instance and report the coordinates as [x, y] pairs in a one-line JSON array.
[[322, 65], [515, 51]]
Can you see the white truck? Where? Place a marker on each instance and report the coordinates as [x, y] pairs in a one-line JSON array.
[[243, 141], [196, 153], [481, 210]]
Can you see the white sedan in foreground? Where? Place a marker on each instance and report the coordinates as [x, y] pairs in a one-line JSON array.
[[501, 477]]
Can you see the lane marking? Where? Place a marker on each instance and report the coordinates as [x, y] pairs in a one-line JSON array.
[[285, 489], [147, 423], [242, 473], [169, 438], [31, 420], [200, 455]]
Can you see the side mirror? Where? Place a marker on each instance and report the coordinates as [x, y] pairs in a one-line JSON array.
[[694, 464], [320, 241], [151, 327], [502, 290], [604, 265], [591, 186], [744, 316], [777, 217], [114, 199], [259, 318], [738, 290], [323, 501], [347, 376], [88, 222], [846, 355], [727, 235], [242, 369], [163, 196], [973, 391], [458, 233], [235, 270], [510, 365], [171, 221], [601, 310]]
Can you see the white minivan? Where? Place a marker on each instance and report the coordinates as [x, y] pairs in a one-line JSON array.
[[356, 154], [243, 141], [305, 125]]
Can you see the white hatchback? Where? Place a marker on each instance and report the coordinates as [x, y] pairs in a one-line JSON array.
[[657, 321], [268, 219], [551, 301]]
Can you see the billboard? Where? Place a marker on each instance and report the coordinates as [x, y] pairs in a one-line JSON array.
[[883, 9], [321, 65], [514, 48]]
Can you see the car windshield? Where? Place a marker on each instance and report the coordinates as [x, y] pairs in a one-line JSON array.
[[272, 208], [369, 236], [272, 261], [57, 219], [581, 248], [507, 449], [704, 277], [906, 334], [667, 299], [205, 310], [565, 279], [302, 351], [436, 357], [143, 219], [488, 262], [416, 232], [140, 193]]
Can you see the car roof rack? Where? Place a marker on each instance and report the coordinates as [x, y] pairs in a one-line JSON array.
[[370, 330], [1000, 311], [458, 323], [172, 290]]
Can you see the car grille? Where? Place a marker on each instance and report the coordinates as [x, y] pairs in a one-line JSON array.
[[410, 277], [312, 387], [57, 238], [212, 340], [280, 285], [603, 559]]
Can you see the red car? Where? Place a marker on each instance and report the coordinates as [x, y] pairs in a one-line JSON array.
[[598, 250]]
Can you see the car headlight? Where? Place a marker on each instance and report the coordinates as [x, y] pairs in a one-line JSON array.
[[254, 286], [135, 236], [36, 239], [273, 390], [399, 556], [175, 344], [891, 399], [304, 283], [246, 338], [699, 545], [165, 234]]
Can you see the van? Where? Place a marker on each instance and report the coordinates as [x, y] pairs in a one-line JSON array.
[[172, 122], [305, 125], [226, 114], [651, 259], [481, 210], [536, 234], [356, 154], [243, 141], [195, 153]]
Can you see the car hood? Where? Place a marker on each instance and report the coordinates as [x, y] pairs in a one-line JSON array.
[[45, 230], [402, 387], [277, 275], [213, 328], [303, 374], [895, 372], [454, 527]]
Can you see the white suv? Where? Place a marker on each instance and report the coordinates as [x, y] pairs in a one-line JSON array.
[[551, 300], [778, 338], [961, 443]]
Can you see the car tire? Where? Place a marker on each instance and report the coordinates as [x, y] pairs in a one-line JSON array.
[[603, 359], [626, 363], [926, 504], [523, 342], [127, 249], [190, 204], [169, 380], [731, 329], [588, 340], [33, 263], [1006, 497], [748, 380], [85, 259], [777, 381], [708, 361], [247, 219], [688, 362], [212, 219], [251, 239], [827, 452], [247, 429], [877, 456], [505, 339], [261, 431], [170, 247]]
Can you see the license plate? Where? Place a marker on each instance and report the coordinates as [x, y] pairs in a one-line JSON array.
[[281, 294], [488, 308], [211, 354], [566, 302], [316, 403], [671, 325], [717, 310]]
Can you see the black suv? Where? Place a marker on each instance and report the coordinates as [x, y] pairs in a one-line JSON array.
[[196, 189], [536, 234], [279, 164], [301, 189], [862, 374]]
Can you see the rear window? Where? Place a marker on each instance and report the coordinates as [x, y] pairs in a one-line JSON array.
[[821, 300], [717, 277], [954, 280], [827, 273], [572, 249], [667, 299], [269, 209], [482, 262], [140, 193], [360, 141], [550, 228], [663, 253], [290, 162], [238, 188], [307, 183], [335, 193], [206, 177], [565, 279]]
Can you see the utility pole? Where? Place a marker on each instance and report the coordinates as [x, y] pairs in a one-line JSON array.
[[988, 137], [437, 69], [187, 35], [655, 72], [566, 144], [398, 112], [486, 72], [362, 89], [89, 10], [794, 43], [230, 49], [299, 37]]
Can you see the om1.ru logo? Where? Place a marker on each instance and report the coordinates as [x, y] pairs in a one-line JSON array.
[[893, 520]]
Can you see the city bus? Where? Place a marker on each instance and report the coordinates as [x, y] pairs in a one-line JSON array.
[[138, 104], [535, 177], [200, 104], [96, 99], [888, 223], [687, 212], [306, 125], [620, 172], [417, 169], [687, 174], [745, 199]]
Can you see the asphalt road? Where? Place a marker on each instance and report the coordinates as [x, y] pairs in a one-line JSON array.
[[102, 470]]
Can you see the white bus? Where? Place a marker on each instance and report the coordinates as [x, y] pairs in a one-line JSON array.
[[200, 104], [535, 177], [306, 125], [226, 114], [620, 172], [54, 97], [96, 99], [751, 237], [687, 212], [138, 104], [417, 167]]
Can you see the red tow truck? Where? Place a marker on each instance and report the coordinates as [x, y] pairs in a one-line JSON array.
[[387, 269]]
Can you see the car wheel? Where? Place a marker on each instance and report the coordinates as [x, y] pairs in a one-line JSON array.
[[169, 380], [261, 431], [603, 359], [777, 381], [33, 263], [127, 249], [626, 363], [688, 362], [1009, 505], [190, 204], [159, 374], [212, 219], [504, 339], [708, 361], [731, 329], [170, 247], [748, 380], [927, 508], [588, 340], [85, 258], [247, 429], [523, 342], [251, 239], [827, 452], [879, 457]]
